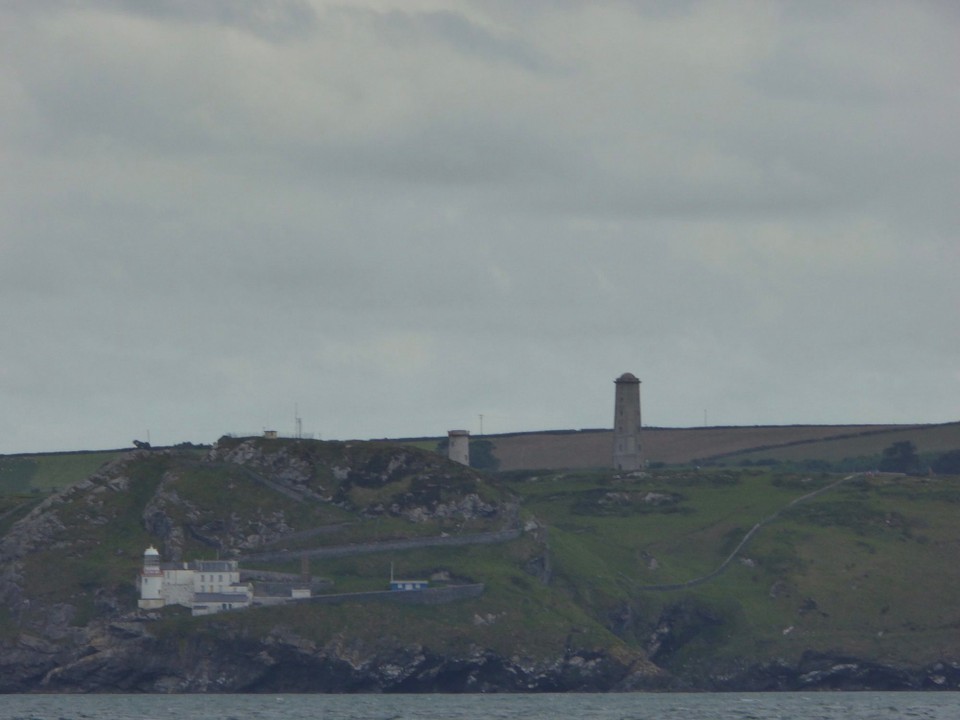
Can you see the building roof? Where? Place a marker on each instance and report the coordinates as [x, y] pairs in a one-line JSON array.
[[627, 378], [219, 597], [214, 565], [409, 582]]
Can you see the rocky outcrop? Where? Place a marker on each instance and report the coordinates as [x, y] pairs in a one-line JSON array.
[[42, 529], [126, 658], [368, 479], [469, 507], [173, 519], [825, 671]]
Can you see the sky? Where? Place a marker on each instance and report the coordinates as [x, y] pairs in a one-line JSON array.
[[392, 218]]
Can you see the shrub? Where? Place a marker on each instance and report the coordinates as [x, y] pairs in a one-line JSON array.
[[948, 463], [900, 457]]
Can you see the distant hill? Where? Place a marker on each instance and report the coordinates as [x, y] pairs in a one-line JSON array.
[[576, 449], [592, 448]]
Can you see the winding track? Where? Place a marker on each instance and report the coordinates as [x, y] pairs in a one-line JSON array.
[[746, 539]]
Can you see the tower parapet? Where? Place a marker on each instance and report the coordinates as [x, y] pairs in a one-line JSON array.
[[626, 424]]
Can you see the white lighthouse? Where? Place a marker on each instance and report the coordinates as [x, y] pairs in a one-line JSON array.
[[151, 580]]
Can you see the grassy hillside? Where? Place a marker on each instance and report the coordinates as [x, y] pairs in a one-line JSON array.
[[864, 569], [21, 474], [25, 479], [610, 562]]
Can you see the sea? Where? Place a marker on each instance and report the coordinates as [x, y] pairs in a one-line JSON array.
[[630, 706]]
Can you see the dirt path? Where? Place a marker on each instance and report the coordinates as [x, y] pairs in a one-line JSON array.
[[746, 539]]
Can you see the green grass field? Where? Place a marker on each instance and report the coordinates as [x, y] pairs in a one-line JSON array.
[[46, 473], [929, 440], [730, 445]]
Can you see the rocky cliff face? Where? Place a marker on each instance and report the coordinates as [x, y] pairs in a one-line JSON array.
[[124, 656], [129, 659]]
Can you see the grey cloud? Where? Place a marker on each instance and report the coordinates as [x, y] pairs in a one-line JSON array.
[[462, 35], [271, 20], [401, 219]]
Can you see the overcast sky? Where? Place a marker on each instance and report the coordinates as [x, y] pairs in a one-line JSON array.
[[393, 216]]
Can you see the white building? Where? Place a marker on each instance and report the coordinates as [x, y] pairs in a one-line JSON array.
[[204, 586], [406, 585]]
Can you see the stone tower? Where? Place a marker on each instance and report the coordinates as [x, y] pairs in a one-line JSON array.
[[458, 446], [626, 424]]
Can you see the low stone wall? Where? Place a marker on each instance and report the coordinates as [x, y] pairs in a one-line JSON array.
[[430, 596], [284, 588], [273, 576], [312, 533], [386, 546], [268, 583]]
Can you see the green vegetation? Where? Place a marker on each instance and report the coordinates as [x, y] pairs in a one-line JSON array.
[[854, 570], [604, 561], [947, 464], [860, 451], [900, 457], [49, 472], [14, 507], [104, 554], [16, 474]]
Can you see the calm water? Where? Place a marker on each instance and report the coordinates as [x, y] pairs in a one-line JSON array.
[[779, 706]]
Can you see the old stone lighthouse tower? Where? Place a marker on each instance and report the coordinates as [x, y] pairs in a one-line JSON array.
[[626, 424]]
